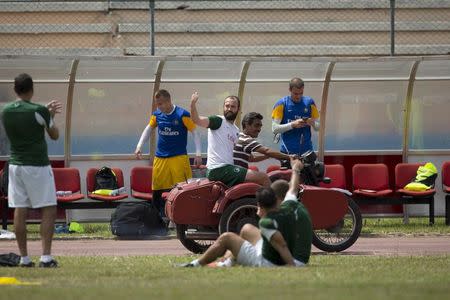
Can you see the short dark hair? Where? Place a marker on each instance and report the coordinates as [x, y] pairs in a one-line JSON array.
[[280, 188], [296, 83], [236, 98], [265, 197], [250, 117], [23, 84], [162, 94]]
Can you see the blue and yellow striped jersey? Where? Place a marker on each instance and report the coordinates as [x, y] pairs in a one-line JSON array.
[[172, 131]]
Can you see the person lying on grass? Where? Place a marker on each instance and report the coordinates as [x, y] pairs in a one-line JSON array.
[[283, 237]]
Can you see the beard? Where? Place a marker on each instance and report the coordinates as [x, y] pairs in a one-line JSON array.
[[230, 116]]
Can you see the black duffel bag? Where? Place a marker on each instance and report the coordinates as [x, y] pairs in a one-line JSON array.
[[137, 220]]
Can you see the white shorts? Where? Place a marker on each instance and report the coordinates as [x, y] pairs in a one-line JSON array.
[[251, 255], [31, 186]]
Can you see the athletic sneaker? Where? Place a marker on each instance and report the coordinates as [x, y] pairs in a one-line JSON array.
[[186, 265], [51, 264], [28, 265]]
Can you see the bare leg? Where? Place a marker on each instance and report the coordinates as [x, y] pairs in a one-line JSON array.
[[47, 228], [250, 233], [227, 241], [20, 228], [257, 177]]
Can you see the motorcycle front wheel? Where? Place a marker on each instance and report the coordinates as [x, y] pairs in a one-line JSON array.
[[342, 235]]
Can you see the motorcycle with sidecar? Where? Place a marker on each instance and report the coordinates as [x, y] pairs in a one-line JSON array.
[[204, 209]]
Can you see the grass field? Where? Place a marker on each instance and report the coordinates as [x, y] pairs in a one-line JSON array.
[[332, 276], [154, 277]]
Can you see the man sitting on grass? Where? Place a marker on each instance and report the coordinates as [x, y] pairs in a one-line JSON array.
[[278, 238]]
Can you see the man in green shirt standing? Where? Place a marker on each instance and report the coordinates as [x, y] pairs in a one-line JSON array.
[[31, 182]]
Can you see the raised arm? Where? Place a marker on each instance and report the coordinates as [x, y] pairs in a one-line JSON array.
[[297, 166], [198, 148], [199, 120], [54, 107]]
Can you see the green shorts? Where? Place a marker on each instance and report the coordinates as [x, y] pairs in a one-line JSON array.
[[228, 174]]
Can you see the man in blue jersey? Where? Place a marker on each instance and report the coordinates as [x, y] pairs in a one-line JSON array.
[[292, 118], [171, 164]]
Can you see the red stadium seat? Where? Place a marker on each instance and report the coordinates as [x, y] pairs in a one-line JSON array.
[[446, 189], [253, 168], [404, 174], [446, 177], [371, 180], [68, 179], [272, 168], [337, 175], [141, 182], [90, 184]]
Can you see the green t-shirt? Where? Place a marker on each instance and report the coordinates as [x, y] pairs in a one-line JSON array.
[[292, 220], [25, 124]]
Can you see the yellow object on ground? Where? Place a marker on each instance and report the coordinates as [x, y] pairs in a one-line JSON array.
[[15, 281], [76, 227]]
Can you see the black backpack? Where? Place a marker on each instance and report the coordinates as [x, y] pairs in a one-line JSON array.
[[105, 179], [4, 180], [137, 220], [9, 260]]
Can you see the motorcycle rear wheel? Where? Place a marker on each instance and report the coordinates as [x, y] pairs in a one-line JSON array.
[[343, 235]]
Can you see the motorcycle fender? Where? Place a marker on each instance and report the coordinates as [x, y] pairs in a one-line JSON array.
[[326, 206], [236, 192]]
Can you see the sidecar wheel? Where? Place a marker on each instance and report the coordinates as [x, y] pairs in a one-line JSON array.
[[195, 246], [237, 214]]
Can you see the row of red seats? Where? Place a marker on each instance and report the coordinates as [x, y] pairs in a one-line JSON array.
[[68, 179], [370, 184], [372, 180], [369, 180]]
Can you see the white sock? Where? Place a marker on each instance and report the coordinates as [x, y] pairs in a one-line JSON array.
[[195, 263], [25, 260], [46, 258]]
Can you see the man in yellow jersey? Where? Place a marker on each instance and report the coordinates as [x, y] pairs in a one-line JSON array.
[[171, 164]]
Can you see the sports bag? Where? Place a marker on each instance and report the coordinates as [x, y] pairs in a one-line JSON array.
[[425, 178], [137, 220], [9, 260], [105, 179]]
